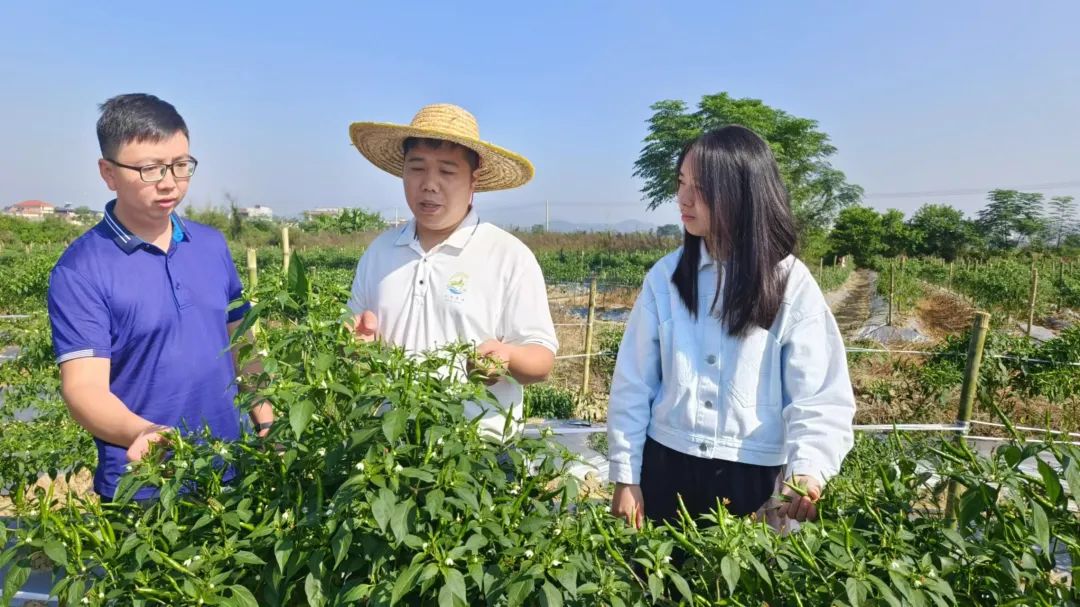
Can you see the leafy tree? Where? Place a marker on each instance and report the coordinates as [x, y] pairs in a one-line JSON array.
[[939, 230], [669, 231], [896, 237], [1011, 218], [818, 191], [349, 221], [859, 232], [210, 215], [1061, 218]]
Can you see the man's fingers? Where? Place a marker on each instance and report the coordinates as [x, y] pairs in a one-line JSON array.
[[367, 326], [368, 322]]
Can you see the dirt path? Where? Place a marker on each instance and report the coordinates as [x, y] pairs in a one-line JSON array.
[[854, 308]]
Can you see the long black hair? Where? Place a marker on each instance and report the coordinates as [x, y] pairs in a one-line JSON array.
[[751, 228]]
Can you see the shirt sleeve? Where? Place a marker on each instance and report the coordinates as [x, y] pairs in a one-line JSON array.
[[634, 386], [818, 401], [358, 299], [79, 316], [526, 316], [235, 290]]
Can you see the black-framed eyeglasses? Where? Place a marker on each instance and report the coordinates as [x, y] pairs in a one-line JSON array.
[[152, 173]]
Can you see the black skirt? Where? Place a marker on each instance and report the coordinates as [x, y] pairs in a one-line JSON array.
[[667, 474]]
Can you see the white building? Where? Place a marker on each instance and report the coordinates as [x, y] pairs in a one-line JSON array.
[[256, 212]]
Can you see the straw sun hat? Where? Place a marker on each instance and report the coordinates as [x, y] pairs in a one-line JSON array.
[[381, 143]]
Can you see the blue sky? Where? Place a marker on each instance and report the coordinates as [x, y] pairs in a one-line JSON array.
[[917, 96]]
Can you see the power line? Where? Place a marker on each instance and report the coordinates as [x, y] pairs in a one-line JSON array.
[[971, 191]]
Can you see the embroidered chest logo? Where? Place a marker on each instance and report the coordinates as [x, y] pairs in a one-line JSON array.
[[456, 287]]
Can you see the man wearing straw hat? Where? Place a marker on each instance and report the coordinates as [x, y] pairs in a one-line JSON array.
[[446, 276]]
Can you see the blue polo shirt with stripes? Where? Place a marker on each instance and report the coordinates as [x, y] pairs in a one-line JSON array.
[[160, 317]]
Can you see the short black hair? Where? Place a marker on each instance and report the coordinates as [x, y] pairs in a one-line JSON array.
[[136, 117], [470, 154]]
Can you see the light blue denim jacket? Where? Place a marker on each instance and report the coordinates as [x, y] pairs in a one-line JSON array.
[[773, 397]]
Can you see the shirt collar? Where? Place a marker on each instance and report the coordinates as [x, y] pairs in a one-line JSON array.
[[705, 260], [128, 241], [458, 239]]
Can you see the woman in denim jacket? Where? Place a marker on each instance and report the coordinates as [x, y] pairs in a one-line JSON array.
[[732, 373]]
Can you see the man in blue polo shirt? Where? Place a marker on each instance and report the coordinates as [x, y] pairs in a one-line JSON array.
[[139, 304]]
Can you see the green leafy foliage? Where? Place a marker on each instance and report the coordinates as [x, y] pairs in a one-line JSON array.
[[374, 489]]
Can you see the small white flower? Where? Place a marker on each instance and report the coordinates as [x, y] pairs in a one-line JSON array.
[[449, 562], [360, 466], [187, 563], [398, 468], [200, 601], [894, 565], [211, 586], [321, 452], [128, 468], [558, 532], [285, 515], [264, 352], [100, 594], [667, 559], [198, 558], [528, 554], [556, 563], [85, 601], [439, 442]]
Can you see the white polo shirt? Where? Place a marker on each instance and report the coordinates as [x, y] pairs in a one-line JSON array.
[[481, 283]]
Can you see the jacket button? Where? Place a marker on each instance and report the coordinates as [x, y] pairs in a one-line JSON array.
[[711, 359], [703, 447], [708, 404]]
